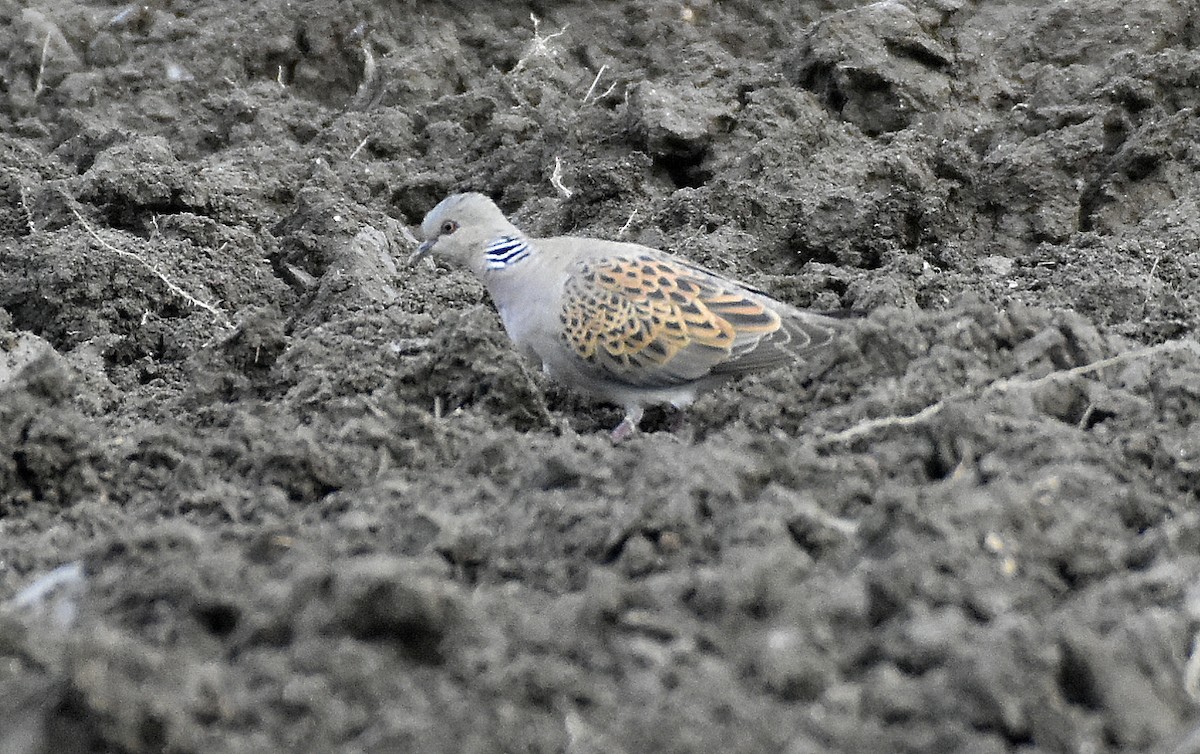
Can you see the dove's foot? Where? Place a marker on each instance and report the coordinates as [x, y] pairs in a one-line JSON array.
[[679, 424], [628, 425]]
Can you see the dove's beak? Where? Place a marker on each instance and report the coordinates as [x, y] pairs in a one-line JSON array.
[[421, 252]]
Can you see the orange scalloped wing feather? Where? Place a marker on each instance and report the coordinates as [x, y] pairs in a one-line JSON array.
[[656, 322]]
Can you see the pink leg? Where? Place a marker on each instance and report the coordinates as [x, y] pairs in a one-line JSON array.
[[679, 422], [628, 425]]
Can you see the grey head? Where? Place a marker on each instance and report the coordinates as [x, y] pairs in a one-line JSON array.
[[460, 228]]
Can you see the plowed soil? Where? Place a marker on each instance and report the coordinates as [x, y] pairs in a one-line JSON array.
[[265, 486]]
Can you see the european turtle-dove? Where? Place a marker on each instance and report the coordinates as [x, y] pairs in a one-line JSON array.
[[621, 322]]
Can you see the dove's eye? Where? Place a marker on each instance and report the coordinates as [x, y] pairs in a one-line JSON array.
[[449, 227]]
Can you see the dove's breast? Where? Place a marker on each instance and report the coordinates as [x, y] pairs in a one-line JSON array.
[[528, 299]]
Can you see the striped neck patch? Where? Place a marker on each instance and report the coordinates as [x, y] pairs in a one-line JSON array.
[[506, 251]]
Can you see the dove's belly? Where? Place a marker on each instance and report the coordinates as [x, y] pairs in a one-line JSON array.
[[568, 369]]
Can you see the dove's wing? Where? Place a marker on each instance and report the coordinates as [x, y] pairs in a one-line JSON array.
[[654, 321]]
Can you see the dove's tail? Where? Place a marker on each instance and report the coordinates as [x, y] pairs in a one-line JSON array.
[[806, 338]]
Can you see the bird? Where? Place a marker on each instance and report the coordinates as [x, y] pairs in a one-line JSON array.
[[620, 322]]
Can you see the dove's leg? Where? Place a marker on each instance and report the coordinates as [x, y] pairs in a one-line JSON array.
[[679, 423], [628, 425]]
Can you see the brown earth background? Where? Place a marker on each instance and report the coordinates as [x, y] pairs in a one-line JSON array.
[[308, 499]]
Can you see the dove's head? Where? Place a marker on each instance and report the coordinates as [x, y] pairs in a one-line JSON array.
[[460, 228]]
